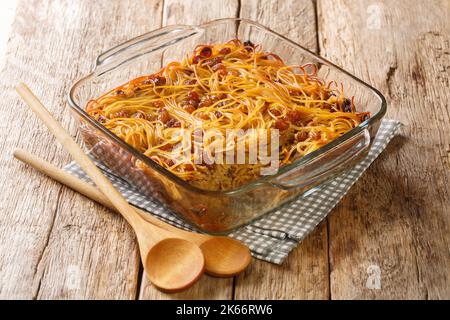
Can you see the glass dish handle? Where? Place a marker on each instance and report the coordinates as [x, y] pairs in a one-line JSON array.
[[143, 44], [328, 164]]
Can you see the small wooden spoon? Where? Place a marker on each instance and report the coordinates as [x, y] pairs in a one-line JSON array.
[[172, 264], [224, 256]]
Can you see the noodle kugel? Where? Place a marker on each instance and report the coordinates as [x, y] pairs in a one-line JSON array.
[[222, 87]]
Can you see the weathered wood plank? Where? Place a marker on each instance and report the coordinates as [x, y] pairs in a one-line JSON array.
[[195, 12], [396, 218], [305, 273], [292, 19], [54, 243]]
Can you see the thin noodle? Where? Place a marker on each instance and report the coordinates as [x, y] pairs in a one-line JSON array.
[[233, 85]]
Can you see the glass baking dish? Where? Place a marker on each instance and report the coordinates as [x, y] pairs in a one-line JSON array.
[[218, 212]]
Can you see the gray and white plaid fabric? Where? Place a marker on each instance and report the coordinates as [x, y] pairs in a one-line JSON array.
[[273, 236]]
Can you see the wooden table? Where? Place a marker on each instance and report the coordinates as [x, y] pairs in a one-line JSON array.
[[394, 222]]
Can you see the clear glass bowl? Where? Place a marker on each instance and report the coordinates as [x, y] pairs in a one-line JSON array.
[[218, 212]]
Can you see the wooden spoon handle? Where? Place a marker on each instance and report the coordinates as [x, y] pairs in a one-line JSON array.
[[63, 177], [90, 191], [81, 158]]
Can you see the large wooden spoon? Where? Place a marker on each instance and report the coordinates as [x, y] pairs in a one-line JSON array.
[[224, 256], [172, 264]]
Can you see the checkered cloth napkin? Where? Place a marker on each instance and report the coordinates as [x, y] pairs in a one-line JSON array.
[[273, 236]]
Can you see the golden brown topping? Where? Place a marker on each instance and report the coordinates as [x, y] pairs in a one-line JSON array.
[[212, 62], [173, 123], [120, 114], [203, 116], [138, 115], [293, 116], [347, 105], [275, 112], [313, 135], [281, 125], [196, 59], [220, 68], [189, 108], [159, 81], [301, 136], [205, 102], [163, 116], [225, 51], [192, 95], [206, 52], [158, 104]]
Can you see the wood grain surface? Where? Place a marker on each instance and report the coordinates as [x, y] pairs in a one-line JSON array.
[[55, 244], [396, 218]]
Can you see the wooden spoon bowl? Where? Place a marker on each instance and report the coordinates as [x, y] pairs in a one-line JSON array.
[[224, 256], [166, 254]]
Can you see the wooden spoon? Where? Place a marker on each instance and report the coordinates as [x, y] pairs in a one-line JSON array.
[[172, 264], [224, 257]]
